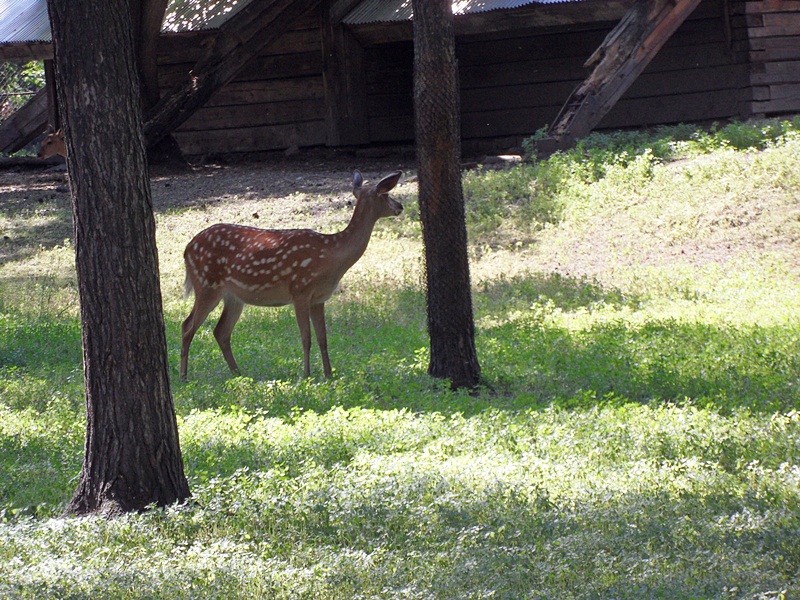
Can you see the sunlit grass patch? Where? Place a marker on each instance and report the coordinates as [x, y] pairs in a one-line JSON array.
[[636, 433]]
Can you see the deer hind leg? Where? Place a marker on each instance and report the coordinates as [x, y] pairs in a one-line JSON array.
[[204, 303], [318, 320], [301, 312], [231, 312]]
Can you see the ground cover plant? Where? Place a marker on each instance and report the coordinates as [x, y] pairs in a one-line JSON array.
[[637, 434]]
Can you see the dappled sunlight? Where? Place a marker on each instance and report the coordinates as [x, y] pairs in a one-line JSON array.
[[628, 498], [635, 434]]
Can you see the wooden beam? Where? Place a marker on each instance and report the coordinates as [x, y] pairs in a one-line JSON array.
[[243, 37], [345, 83], [340, 8], [26, 52], [53, 115], [25, 124], [620, 59]]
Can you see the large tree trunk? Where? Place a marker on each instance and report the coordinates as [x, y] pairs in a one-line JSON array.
[[132, 455], [436, 105]]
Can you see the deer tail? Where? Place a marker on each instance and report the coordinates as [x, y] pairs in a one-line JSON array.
[[187, 286]]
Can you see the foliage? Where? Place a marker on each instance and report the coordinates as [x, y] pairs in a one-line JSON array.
[[17, 82], [637, 436]]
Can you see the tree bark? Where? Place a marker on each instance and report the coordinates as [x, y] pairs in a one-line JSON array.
[[132, 454], [436, 104]]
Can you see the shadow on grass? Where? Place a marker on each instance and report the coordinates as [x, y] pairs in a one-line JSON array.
[[40, 346], [46, 223], [566, 293], [379, 352]]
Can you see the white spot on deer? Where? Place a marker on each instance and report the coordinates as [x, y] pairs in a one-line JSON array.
[[306, 262]]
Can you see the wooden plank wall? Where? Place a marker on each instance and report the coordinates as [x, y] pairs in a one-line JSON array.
[[276, 102], [773, 29], [514, 83]]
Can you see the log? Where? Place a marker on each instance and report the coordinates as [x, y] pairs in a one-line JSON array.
[[620, 59], [25, 124]]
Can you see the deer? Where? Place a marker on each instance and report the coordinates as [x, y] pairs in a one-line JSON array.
[[240, 265], [53, 144]]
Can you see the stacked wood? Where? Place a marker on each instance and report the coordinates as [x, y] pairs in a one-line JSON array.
[[773, 29]]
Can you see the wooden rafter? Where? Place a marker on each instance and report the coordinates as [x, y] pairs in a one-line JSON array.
[[344, 78], [25, 124], [620, 59]]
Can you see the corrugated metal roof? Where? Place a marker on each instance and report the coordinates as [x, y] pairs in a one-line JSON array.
[[385, 11], [24, 21], [27, 20], [193, 15]]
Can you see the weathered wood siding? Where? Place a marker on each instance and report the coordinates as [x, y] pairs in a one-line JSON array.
[[731, 58], [773, 29], [276, 102], [514, 83]]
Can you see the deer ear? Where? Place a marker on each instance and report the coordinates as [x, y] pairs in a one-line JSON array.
[[388, 182], [358, 181]]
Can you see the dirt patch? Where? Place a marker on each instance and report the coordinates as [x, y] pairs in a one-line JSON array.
[[21, 186], [35, 202]]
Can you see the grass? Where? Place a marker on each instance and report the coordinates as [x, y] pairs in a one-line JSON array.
[[637, 434]]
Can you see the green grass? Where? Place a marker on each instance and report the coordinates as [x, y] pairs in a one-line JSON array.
[[637, 434]]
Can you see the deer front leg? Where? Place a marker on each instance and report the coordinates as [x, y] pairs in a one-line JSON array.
[[301, 313], [318, 320]]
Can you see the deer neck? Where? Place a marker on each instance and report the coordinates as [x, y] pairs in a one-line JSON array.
[[353, 239]]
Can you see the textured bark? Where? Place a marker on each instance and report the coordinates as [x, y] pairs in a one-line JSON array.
[[436, 104], [132, 455]]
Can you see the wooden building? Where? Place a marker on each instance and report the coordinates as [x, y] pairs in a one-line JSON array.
[[341, 75]]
